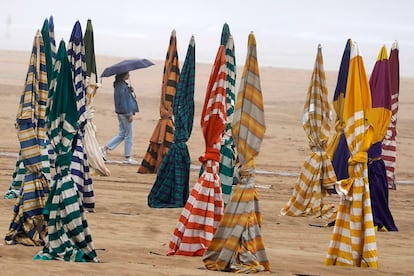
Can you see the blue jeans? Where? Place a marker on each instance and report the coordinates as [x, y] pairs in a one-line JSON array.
[[125, 132]]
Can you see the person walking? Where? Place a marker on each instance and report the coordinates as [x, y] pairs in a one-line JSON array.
[[125, 107]]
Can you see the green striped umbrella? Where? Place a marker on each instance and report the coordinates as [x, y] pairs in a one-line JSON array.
[[227, 150], [69, 238], [171, 187]]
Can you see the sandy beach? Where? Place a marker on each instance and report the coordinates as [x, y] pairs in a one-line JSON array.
[[132, 239]]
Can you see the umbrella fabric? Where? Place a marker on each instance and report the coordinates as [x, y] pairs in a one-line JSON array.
[[163, 135], [389, 144], [19, 171], [317, 174], [227, 150], [238, 244], [337, 148], [126, 66], [204, 207], [92, 146], [353, 241], [69, 238], [79, 168], [380, 85], [28, 226], [171, 187]]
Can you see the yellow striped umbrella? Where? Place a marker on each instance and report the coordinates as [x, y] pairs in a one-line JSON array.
[[238, 243], [317, 174], [353, 241]]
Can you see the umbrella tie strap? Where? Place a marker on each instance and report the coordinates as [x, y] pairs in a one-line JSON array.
[[63, 159], [360, 157], [339, 126], [210, 154]]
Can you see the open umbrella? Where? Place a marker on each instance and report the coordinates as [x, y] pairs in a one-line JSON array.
[[238, 244], [337, 149], [92, 146], [380, 84], [171, 187], [69, 238], [28, 226], [126, 66], [317, 174], [389, 144], [227, 150], [204, 207], [353, 241], [79, 168], [163, 134]]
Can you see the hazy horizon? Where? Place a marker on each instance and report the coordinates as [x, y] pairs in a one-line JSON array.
[[287, 33]]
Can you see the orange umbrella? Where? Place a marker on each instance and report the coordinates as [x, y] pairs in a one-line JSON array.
[[204, 208], [353, 241], [163, 134]]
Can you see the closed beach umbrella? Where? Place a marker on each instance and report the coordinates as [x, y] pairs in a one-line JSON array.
[[19, 171], [171, 187], [28, 226], [163, 134], [353, 241], [204, 207], [92, 146], [337, 148], [227, 150], [317, 174], [389, 144], [238, 243], [79, 168], [69, 238], [380, 84]]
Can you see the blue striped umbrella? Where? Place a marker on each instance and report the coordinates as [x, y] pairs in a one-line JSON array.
[[171, 187], [227, 150], [69, 238], [28, 226], [80, 166]]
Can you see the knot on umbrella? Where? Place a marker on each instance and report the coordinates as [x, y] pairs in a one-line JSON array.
[[63, 159], [210, 154], [360, 157], [339, 126]]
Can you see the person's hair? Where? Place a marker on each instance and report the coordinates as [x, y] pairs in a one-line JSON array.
[[120, 77]]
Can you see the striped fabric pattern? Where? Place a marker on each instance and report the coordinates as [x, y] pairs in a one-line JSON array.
[[204, 208], [79, 167], [28, 226], [238, 243], [227, 150], [92, 147], [163, 134], [337, 148], [389, 144], [171, 187], [380, 84], [69, 238], [353, 241], [317, 173]]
